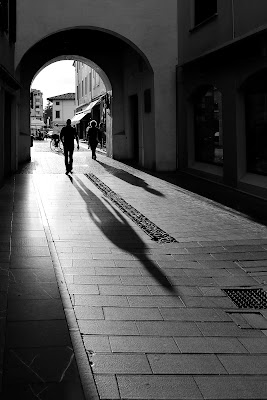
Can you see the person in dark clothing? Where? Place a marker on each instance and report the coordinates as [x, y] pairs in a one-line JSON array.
[[67, 136], [93, 133]]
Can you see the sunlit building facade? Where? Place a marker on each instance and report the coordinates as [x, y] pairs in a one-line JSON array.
[[90, 95]]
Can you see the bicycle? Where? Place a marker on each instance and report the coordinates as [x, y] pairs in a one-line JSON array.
[[55, 144]]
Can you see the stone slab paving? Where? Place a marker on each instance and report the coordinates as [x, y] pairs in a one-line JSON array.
[[152, 318]]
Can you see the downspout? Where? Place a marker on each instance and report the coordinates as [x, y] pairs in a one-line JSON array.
[[233, 20]]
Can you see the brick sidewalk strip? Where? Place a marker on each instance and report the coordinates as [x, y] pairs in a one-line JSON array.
[[92, 308]]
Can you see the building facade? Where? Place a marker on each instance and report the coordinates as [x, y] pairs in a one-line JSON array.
[[37, 111], [90, 94], [9, 91], [222, 92], [63, 108]]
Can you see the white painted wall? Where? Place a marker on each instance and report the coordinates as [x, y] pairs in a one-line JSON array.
[[66, 109]]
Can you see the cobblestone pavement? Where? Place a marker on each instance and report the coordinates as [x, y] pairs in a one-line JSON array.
[[147, 320]]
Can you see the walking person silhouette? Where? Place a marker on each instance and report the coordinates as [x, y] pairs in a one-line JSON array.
[[93, 133], [67, 135]]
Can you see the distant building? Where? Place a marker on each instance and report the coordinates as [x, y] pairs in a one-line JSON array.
[[37, 111], [89, 97], [63, 108]]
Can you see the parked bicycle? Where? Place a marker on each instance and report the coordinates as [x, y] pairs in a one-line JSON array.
[[55, 143]]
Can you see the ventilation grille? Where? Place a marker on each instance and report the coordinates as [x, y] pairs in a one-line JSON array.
[[248, 298]]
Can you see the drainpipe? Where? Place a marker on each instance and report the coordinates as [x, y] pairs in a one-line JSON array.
[[233, 20]]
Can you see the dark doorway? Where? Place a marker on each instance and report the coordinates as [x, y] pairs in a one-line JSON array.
[[7, 134], [134, 124]]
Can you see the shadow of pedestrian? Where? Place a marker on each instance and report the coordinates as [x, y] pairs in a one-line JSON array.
[[130, 178], [119, 232]]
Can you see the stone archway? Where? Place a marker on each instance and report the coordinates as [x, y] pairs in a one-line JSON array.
[[124, 67]]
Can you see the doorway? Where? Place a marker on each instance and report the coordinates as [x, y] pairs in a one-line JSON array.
[[7, 134], [134, 125]]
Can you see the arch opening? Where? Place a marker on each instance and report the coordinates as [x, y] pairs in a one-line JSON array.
[[123, 70]]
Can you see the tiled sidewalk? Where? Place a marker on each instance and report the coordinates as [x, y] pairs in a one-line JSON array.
[[152, 318]]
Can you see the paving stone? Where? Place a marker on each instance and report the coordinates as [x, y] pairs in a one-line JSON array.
[[83, 289], [244, 364], [29, 309], [120, 364], [158, 387], [85, 312], [207, 272], [131, 313], [209, 345], [193, 314], [232, 387], [168, 328], [37, 334], [142, 344], [117, 271], [99, 300], [31, 262], [34, 290], [255, 345], [155, 301], [180, 290], [37, 251], [185, 364], [123, 290], [96, 344], [96, 280], [79, 271], [35, 365], [235, 281], [208, 302], [32, 275], [209, 291], [51, 391], [226, 329], [98, 327], [91, 263], [107, 387]]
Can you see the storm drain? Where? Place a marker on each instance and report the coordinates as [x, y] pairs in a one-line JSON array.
[[248, 298], [144, 223]]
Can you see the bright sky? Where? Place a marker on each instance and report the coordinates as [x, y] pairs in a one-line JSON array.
[[58, 78]]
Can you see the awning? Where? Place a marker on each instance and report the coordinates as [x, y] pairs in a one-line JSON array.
[[76, 119], [91, 105]]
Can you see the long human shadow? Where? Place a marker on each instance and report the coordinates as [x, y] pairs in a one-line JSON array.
[[130, 178], [110, 221]]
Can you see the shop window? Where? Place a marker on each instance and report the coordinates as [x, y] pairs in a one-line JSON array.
[[204, 10], [256, 123], [208, 125]]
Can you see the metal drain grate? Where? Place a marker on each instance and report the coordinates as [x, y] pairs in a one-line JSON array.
[[144, 223], [248, 298]]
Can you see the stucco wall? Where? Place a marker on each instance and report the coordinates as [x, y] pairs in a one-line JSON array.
[[150, 27], [150, 24], [66, 108]]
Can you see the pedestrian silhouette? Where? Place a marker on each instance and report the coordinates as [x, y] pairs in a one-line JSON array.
[[67, 135], [93, 133]]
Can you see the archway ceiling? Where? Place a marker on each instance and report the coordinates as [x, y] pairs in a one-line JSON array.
[[103, 49]]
